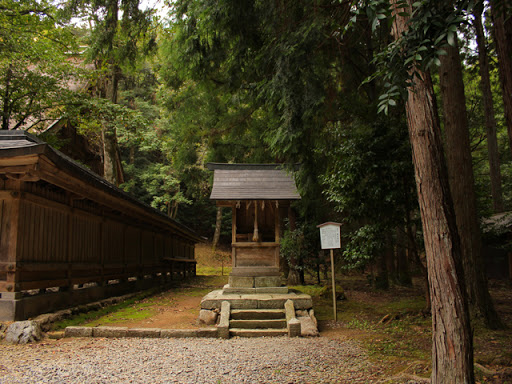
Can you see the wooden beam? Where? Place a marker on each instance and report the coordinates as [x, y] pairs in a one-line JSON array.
[[255, 235], [17, 161], [233, 225], [277, 223]]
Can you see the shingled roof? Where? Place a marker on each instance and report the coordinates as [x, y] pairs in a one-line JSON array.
[[17, 144], [252, 182]]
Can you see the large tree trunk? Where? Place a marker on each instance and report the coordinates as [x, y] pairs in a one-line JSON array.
[[402, 262], [490, 121], [112, 166], [6, 110], [452, 344], [218, 223], [415, 255], [382, 278], [293, 273], [460, 171], [108, 136], [502, 28]]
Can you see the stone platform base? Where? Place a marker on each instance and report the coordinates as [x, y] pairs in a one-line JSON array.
[[16, 306], [254, 281], [248, 291], [214, 300]]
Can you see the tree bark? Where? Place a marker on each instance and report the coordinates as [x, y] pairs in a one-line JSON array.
[[452, 344], [460, 172], [490, 121], [403, 272], [382, 278], [293, 273], [108, 136], [112, 166], [6, 112], [502, 28], [218, 223], [414, 255]]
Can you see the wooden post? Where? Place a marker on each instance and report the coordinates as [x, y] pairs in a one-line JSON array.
[[12, 230], [333, 287], [510, 265], [233, 236], [255, 235], [277, 222]]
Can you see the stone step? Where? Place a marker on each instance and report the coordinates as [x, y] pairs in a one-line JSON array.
[[258, 324], [257, 332], [257, 314], [214, 300]]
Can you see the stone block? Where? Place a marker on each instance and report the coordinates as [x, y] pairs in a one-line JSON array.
[[313, 317], [207, 332], [143, 332], [109, 331], [272, 290], [213, 300], [178, 333], [308, 327], [210, 304], [207, 317], [78, 332], [11, 295], [267, 281], [8, 310], [23, 332], [45, 321], [290, 310], [303, 302], [294, 327], [223, 327], [273, 303], [241, 282], [238, 291], [56, 335], [244, 303]]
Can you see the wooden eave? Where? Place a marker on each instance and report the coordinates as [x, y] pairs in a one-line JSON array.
[[39, 161], [234, 203]]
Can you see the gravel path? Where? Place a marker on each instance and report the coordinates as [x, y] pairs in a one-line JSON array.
[[238, 360]]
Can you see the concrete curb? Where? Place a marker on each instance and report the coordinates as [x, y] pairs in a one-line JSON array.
[[118, 332]]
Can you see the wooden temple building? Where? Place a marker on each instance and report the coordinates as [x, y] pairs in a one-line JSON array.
[[255, 302], [68, 237], [259, 196]]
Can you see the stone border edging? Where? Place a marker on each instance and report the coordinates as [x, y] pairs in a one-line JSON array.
[[46, 320], [102, 331]]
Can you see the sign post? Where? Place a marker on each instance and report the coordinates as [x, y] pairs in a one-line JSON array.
[[330, 238]]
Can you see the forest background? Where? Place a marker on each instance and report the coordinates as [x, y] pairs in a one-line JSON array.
[[325, 84]]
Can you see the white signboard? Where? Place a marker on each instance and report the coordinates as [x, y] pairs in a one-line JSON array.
[[330, 236]]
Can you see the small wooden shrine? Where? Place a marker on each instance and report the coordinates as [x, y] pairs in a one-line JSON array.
[[259, 196]]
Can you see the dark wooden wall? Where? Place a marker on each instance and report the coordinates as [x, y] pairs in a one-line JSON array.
[[52, 241]]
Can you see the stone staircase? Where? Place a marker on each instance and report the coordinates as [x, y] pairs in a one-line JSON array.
[[257, 322], [257, 312], [250, 322]]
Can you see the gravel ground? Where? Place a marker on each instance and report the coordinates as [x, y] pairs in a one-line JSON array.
[[238, 360]]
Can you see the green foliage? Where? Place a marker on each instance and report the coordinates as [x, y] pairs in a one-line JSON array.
[[476, 119], [301, 245], [373, 187], [35, 64], [88, 317], [431, 26]]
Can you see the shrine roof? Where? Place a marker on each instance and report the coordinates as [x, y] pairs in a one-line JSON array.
[[252, 182]]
